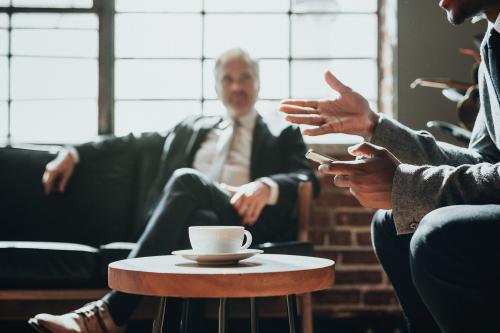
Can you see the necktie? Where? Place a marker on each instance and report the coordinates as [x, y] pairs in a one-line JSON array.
[[222, 149], [493, 49]]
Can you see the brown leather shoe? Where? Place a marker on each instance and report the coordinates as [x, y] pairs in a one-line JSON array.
[[92, 318]]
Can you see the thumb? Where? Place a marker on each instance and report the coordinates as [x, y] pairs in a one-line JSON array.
[[365, 149], [335, 83]]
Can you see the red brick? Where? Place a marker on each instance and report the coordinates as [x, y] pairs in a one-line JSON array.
[[332, 255], [338, 296], [317, 237], [321, 218], [364, 238], [359, 257], [358, 277], [337, 199], [356, 219], [340, 238], [380, 297]]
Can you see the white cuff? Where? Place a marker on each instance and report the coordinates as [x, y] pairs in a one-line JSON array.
[[74, 153], [275, 190]]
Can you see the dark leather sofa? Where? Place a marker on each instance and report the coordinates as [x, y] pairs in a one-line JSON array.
[[65, 241]]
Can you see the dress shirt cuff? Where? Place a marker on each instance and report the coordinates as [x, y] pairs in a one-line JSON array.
[[74, 153], [275, 190]]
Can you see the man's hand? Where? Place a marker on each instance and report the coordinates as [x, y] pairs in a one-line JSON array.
[[348, 113], [57, 172], [369, 179], [249, 200]]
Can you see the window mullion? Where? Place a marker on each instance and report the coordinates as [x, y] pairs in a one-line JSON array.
[[106, 66]]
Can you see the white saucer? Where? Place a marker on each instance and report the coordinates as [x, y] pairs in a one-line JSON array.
[[217, 258]]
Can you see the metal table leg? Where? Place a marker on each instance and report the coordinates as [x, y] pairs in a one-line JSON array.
[[184, 316], [254, 315], [223, 315], [160, 316], [293, 322]]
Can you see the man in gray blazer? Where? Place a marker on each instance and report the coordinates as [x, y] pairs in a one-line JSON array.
[[438, 239]]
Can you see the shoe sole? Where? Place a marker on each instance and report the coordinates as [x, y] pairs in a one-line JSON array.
[[40, 329]]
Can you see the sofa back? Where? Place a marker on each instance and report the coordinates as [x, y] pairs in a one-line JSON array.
[[103, 202]]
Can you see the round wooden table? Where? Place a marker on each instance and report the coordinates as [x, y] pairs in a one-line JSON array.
[[260, 276]]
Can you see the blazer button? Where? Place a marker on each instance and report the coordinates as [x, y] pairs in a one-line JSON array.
[[413, 225]]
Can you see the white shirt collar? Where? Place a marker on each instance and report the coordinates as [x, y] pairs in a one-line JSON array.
[[496, 25]]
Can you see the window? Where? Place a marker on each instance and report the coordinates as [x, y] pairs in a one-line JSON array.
[[162, 58], [49, 70]]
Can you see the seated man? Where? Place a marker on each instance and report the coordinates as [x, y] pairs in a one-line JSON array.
[[236, 169], [438, 239]]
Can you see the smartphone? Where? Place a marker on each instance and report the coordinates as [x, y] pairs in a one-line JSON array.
[[318, 157]]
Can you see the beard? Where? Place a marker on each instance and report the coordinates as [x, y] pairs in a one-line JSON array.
[[458, 11]]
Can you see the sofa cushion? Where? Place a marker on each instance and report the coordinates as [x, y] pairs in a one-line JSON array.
[[109, 253], [46, 264]]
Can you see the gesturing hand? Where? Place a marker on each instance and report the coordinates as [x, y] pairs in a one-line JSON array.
[[57, 172], [348, 113], [249, 200], [369, 179]]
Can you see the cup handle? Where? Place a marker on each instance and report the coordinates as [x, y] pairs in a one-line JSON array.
[[248, 241]]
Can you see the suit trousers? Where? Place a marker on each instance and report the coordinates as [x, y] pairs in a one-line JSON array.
[[447, 274], [188, 199]]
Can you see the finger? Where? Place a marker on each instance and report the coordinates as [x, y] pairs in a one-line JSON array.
[[335, 83], [63, 182], [345, 168], [313, 120], [365, 149], [321, 130], [301, 102], [343, 181], [47, 180], [292, 109]]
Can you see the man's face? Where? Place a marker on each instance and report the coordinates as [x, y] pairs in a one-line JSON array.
[[237, 86], [460, 10]]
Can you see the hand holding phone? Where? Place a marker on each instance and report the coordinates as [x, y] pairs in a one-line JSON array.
[[318, 157]]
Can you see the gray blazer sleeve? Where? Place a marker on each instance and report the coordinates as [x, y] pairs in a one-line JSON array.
[[436, 174]]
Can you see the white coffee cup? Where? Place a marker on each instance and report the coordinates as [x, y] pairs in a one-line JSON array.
[[219, 239]]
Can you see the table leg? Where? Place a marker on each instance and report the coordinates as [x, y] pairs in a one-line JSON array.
[[223, 315], [160, 316], [254, 315], [291, 302], [184, 316]]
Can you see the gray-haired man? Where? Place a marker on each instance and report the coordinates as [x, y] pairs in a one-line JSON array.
[[232, 170]]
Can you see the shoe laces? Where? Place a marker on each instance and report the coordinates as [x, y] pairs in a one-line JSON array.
[[90, 310]]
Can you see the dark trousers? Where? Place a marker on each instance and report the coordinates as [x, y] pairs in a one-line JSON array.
[[188, 199], [447, 274]]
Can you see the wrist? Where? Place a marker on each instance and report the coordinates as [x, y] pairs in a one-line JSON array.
[[373, 120]]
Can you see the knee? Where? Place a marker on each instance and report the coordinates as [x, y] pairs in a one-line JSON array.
[[382, 226], [186, 176]]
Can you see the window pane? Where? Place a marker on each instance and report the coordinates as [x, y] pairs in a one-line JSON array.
[[247, 5], [4, 42], [3, 121], [137, 79], [53, 3], [54, 121], [158, 5], [42, 20], [334, 6], [4, 3], [79, 43], [307, 77], [273, 77], [261, 35], [214, 108], [53, 78], [4, 21], [4, 79], [146, 116], [158, 35], [325, 35]]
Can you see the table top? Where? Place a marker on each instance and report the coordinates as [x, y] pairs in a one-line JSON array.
[[260, 276]]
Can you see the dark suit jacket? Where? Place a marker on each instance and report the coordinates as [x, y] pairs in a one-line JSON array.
[[278, 156]]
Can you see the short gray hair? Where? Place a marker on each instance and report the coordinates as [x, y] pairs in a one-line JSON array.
[[236, 53]]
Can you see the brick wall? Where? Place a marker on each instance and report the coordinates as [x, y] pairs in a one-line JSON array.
[[340, 231]]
